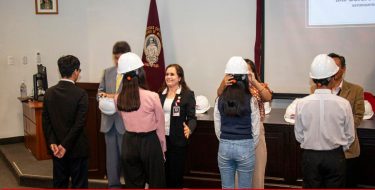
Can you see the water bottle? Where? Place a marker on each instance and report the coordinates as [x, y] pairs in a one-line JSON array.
[[23, 90]]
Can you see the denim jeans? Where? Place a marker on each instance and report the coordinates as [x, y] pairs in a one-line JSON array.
[[236, 156]]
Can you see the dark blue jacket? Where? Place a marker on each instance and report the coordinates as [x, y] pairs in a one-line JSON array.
[[236, 127]]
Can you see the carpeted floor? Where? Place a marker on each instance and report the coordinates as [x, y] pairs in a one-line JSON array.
[[21, 169], [7, 179]]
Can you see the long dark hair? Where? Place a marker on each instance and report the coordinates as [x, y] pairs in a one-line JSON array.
[[128, 99], [252, 66], [234, 97], [180, 73]]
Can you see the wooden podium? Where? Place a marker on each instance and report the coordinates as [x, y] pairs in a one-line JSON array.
[[32, 125], [35, 141]]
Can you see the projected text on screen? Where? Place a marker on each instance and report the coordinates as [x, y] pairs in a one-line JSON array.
[[340, 12]]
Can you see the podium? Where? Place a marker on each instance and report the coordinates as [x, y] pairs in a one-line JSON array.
[[32, 125], [35, 141]]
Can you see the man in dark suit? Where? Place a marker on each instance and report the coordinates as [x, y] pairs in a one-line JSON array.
[[65, 108]]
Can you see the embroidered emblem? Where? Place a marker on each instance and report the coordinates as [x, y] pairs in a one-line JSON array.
[[152, 46]]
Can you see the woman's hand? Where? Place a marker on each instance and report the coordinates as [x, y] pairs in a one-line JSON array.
[[186, 131], [228, 79], [252, 80]]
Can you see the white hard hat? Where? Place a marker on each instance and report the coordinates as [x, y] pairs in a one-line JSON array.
[[368, 110], [202, 104], [236, 65], [129, 62], [267, 107], [290, 112], [107, 106], [323, 67]]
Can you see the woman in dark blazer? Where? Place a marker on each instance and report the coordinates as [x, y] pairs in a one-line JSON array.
[[179, 109]]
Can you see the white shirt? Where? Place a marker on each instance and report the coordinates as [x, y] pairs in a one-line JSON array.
[[337, 89], [324, 121], [68, 80], [255, 120], [167, 109], [167, 114]]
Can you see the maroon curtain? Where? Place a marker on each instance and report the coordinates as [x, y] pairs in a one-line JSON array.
[[258, 48], [153, 56]]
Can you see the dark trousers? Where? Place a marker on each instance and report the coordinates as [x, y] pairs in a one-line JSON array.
[[352, 172], [323, 169], [175, 165], [143, 160], [64, 168]]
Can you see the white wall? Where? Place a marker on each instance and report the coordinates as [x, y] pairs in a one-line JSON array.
[[23, 33], [199, 35], [290, 47]]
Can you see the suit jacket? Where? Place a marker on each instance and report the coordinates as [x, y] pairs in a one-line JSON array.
[[187, 115], [108, 85], [354, 94], [64, 114]]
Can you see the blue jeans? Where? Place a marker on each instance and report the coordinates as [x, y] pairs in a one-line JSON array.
[[236, 156]]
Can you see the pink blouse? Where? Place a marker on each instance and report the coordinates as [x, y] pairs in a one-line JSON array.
[[149, 116]]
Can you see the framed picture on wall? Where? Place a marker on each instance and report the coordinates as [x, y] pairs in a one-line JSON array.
[[46, 7]]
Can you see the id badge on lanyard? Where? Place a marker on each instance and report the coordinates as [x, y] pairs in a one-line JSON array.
[[176, 111], [176, 107]]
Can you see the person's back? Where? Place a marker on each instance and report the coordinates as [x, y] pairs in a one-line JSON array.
[[236, 116], [62, 100], [64, 114], [323, 115], [325, 128], [144, 140], [236, 127], [145, 115], [61, 95]]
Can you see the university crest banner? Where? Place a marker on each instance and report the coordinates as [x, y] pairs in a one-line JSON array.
[[153, 55]]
